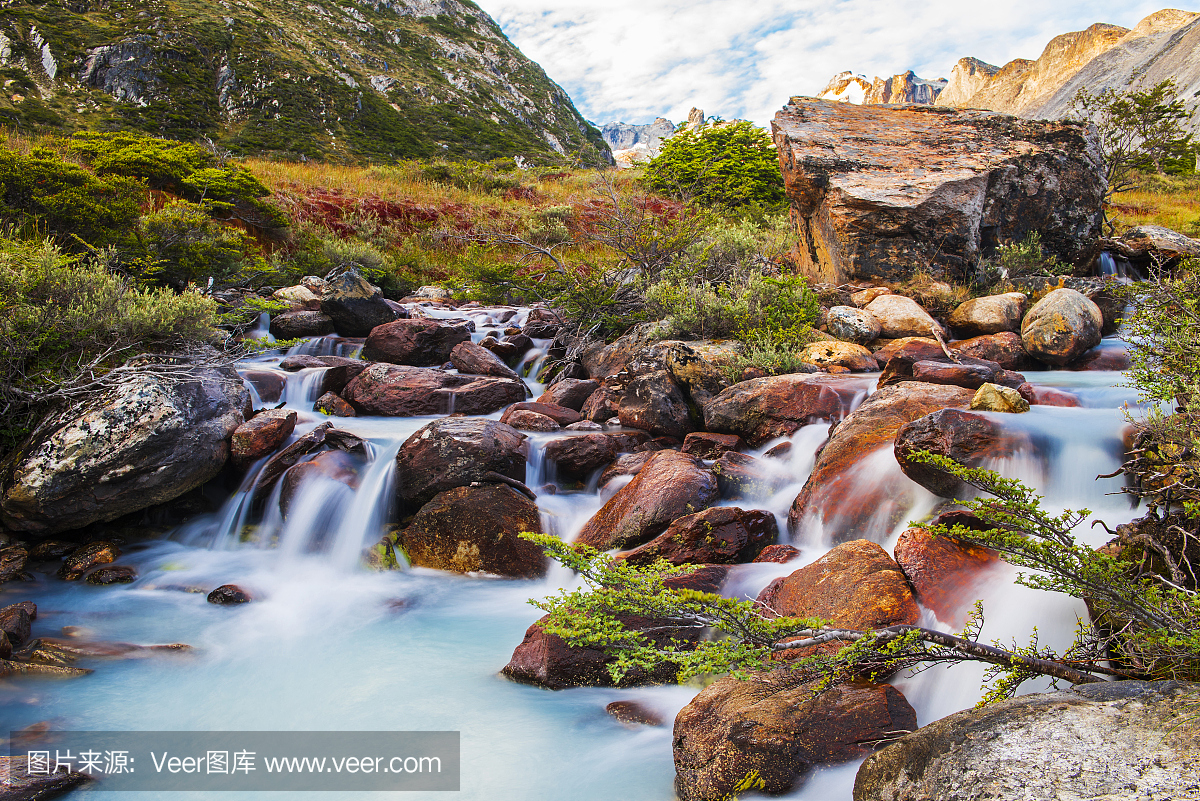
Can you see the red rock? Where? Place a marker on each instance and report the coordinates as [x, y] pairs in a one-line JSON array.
[[456, 452], [340, 373], [671, 485], [764, 408], [901, 365], [628, 464], [569, 392], [471, 359], [329, 465], [707, 445], [779, 553], [1047, 396], [525, 420], [486, 395], [972, 376], [261, 435], [419, 343], [333, 405], [719, 535], [1005, 349], [944, 573], [779, 451], [576, 458], [400, 391], [601, 405], [267, 383], [559, 414], [969, 438], [476, 530], [654, 402]]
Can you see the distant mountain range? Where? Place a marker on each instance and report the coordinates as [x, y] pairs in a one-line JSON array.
[[363, 79]]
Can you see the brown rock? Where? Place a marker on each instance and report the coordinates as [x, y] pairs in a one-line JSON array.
[[891, 347], [476, 530], [329, 465], [576, 458], [601, 405], [19, 784], [333, 405], [880, 193], [854, 358], [720, 535], [1104, 357], [966, 437], [1047, 396], [776, 728], [778, 553], [486, 395], [525, 420], [628, 464], [569, 392], [85, 558], [228, 595], [670, 486], [634, 712], [653, 402], [15, 622], [971, 376], [742, 476], [12, 562], [989, 315], [777, 406], [1061, 327], [710, 446], [944, 572], [298, 324], [400, 391], [418, 343], [472, 359], [261, 435], [116, 574], [559, 414], [289, 456], [1004, 348], [901, 317], [844, 505], [456, 452], [340, 372], [267, 383], [899, 366]]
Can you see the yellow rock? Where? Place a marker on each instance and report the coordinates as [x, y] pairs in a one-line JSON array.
[[995, 398]]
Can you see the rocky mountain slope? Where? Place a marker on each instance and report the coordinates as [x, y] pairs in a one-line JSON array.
[[903, 88], [375, 79]]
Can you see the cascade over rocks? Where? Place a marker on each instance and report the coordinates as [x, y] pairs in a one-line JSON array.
[[742, 476], [831, 490], [355, 306], [669, 486], [879, 193], [720, 535], [475, 529], [777, 406], [457, 452], [1061, 327], [944, 573], [149, 441], [329, 465], [417, 343], [261, 435], [968, 438], [576, 458], [402, 391], [778, 728], [1120, 739]]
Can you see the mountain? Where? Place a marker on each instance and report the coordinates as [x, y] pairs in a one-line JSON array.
[[360, 79], [903, 88]]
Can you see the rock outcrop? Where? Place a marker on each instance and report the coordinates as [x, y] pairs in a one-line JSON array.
[[878, 193], [967, 77]]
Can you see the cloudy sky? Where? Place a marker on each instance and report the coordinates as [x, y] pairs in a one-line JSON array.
[[634, 60]]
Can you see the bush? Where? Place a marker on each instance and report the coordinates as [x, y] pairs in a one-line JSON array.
[[493, 177], [732, 166], [755, 308], [185, 246]]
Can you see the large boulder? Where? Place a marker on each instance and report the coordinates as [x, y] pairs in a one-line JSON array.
[[854, 358], [1005, 348], [471, 359], [769, 730], [297, 324], [720, 535], [400, 391], [355, 306], [989, 315], [901, 317], [853, 325], [419, 343], [834, 493], [456, 452], [476, 530], [1061, 327], [669, 486], [570, 393], [881, 193], [1122, 739], [261, 435], [777, 406], [969, 438], [669, 383], [944, 573], [150, 440]]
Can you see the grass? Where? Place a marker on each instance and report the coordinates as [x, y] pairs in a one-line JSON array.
[[1172, 201]]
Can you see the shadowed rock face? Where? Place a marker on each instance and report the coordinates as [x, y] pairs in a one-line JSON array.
[[879, 192]]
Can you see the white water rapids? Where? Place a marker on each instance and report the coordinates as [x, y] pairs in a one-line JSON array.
[[329, 645]]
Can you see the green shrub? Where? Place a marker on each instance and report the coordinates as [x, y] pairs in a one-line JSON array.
[[162, 163], [185, 246], [730, 166], [1020, 260], [491, 177]]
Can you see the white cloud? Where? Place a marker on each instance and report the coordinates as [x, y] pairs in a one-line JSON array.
[[633, 60]]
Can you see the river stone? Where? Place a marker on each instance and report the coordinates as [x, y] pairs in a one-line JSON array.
[[471, 359], [969, 438], [995, 398], [719, 535], [777, 406], [150, 441], [228, 595], [525, 420], [1061, 327], [603, 404], [301, 297], [740, 475], [707, 445], [16, 623], [298, 324], [333, 405], [267, 383], [576, 458], [944, 573], [396, 390], [989, 315], [901, 317], [1109, 740], [779, 553], [355, 306], [475, 530], [1005, 348], [669, 486], [653, 402], [570, 393], [456, 452], [18, 784], [854, 358], [12, 563], [86, 557], [261, 435], [559, 414], [970, 376], [853, 325], [417, 343], [775, 728], [115, 574]]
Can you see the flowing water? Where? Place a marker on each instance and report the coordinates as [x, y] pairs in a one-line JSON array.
[[329, 645]]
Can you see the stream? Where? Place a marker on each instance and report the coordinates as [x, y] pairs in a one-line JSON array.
[[330, 645]]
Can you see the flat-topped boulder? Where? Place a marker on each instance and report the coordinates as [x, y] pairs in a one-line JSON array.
[[879, 192], [777, 406]]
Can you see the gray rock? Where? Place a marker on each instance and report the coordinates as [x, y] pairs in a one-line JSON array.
[[355, 306], [993, 314], [853, 325], [1061, 327]]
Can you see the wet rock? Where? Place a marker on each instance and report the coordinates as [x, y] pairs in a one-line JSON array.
[[1005, 348], [86, 557], [456, 452], [355, 306], [1121, 739], [831, 491], [995, 398], [576, 458], [298, 324], [966, 437], [267, 383], [853, 325], [899, 366], [1061, 327], [989, 315], [19, 784], [417, 343], [116, 574], [475, 530], [881, 193], [570, 393], [777, 406], [329, 465], [742, 476], [777, 728], [628, 464], [542, 324], [584, 425], [1104, 357], [653, 402], [334, 406], [148, 442], [719, 535], [402, 391], [779, 451], [854, 358], [525, 420], [12, 563], [49, 550], [669, 486], [471, 359], [901, 317], [707, 445], [778, 553], [945, 574], [15, 622], [971, 376], [339, 373], [261, 435], [506, 352], [559, 414], [570, 371], [920, 348], [228, 595], [634, 712], [601, 405], [547, 661], [1047, 396], [291, 455]]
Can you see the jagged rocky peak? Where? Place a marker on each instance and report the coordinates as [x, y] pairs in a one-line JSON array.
[[846, 87], [968, 77], [903, 88], [633, 144]]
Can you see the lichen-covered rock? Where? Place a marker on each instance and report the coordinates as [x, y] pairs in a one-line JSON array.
[[777, 406], [261, 435], [854, 358], [148, 442], [355, 306], [719, 535], [333, 405], [456, 452], [669, 383], [989, 315], [880, 192], [995, 398], [1061, 327], [853, 325], [1122, 739]]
